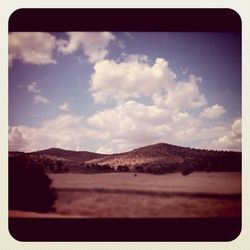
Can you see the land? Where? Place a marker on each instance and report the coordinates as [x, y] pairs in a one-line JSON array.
[[156, 181], [159, 158], [123, 195]]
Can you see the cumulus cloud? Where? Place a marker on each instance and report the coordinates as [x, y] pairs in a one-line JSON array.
[[125, 127], [64, 131], [133, 124], [93, 44], [128, 124], [16, 140], [183, 95], [65, 106], [213, 112], [131, 78], [230, 139], [32, 47], [38, 47]]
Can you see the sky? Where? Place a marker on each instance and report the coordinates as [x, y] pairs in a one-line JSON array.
[[111, 92]]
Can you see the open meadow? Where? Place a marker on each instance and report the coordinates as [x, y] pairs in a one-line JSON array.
[[113, 195], [124, 195]]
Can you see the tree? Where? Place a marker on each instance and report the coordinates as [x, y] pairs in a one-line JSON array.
[[29, 187]]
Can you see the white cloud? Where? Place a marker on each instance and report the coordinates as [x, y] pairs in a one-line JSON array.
[[183, 95], [32, 88], [40, 99], [131, 78], [65, 106], [104, 150], [230, 139], [125, 127], [64, 131], [237, 128], [213, 112], [16, 140], [31, 47], [129, 124], [38, 47], [133, 124], [94, 44]]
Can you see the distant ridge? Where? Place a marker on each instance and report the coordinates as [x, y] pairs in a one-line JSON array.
[[156, 158], [69, 154]]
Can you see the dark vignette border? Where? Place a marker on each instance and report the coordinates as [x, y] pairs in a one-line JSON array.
[[199, 20], [117, 230], [165, 229]]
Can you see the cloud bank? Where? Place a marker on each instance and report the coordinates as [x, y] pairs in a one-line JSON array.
[[142, 101], [64, 131], [39, 47]]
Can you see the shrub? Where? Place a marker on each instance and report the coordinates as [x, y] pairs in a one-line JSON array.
[[29, 187], [186, 171], [122, 168]]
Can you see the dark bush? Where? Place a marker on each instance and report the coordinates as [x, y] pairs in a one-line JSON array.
[[139, 169], [29, 187], [123, 168], [186, 171]]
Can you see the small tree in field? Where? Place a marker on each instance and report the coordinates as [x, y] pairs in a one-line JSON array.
[[29, 187]]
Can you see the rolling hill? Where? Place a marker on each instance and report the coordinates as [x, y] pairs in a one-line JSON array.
[[81, 156], [158, 158]]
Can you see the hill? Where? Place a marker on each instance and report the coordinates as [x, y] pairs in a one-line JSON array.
[[158, 159], [163, 157], [81, 156]]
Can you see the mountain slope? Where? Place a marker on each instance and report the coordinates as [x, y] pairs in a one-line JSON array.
[[158, 158], [164, 155], [81, 156]]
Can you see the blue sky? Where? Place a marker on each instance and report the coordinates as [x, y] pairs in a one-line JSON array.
[[112, 92]]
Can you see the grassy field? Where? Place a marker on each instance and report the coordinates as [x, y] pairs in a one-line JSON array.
[[123, 195], [148, 196]]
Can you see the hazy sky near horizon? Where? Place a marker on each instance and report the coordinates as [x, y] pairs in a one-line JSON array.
[[112, 92]]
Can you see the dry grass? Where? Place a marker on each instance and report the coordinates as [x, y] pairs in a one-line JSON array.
[[221, 182], [173, 195], [123, 195]]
